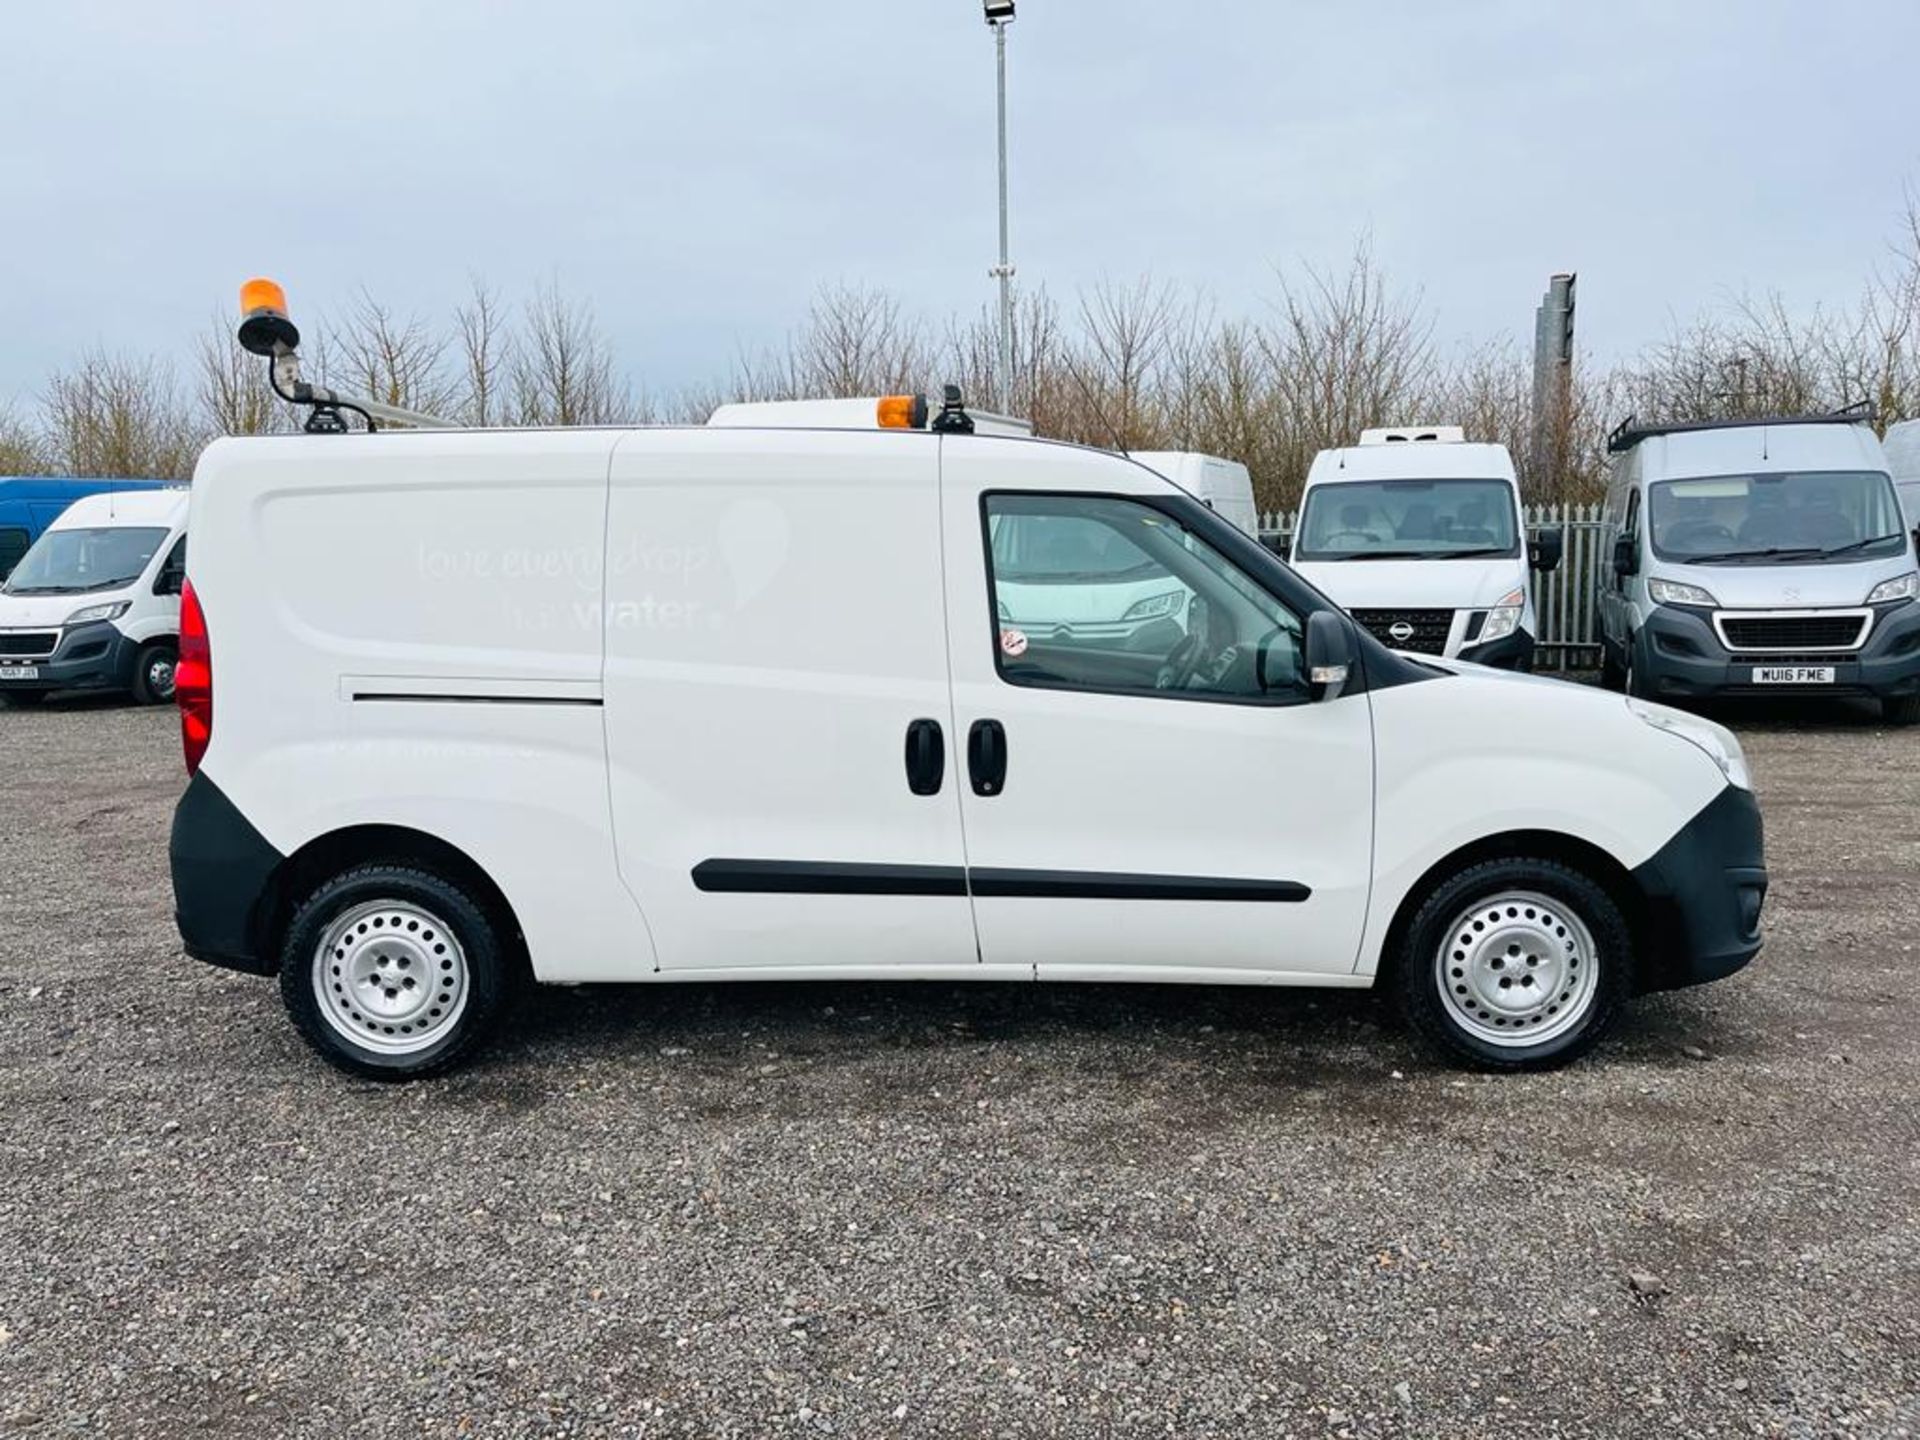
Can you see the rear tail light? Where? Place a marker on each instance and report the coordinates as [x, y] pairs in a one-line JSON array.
[[193, 680]]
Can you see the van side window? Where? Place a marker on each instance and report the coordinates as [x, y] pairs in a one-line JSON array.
[[13, 544], [1107, 594], [173, 573]]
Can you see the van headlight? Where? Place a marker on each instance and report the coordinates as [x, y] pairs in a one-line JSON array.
[[1503, 619], [111, 611], [1901, 587], [1155, 606], [1672, 592], [1718, 743]]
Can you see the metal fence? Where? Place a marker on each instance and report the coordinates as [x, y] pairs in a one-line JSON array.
[[1569, 637]]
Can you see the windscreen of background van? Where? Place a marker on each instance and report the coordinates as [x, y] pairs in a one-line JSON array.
[[1751, 519], [66, 562], [1408, 519]]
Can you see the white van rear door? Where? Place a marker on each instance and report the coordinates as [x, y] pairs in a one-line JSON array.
[[774, 635], [1136, 830]]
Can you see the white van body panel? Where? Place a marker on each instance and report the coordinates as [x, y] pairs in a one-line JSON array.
[[391, 601], [758, 697], [1224, 486], [1464, 586], [1901, 444]]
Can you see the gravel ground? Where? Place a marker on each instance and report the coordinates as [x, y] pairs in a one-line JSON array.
[[935, 1210]]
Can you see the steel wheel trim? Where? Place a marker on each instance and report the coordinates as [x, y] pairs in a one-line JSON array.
[[1517, 969], [160, 677], [391, 977]]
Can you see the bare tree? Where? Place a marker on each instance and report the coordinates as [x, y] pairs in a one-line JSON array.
[[485, 355], [231, 385], [562, 369], [22, 451], [120, 416], [395, 361]]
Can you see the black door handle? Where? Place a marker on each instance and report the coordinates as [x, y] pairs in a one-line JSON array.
[[987, 757], [926, 757]]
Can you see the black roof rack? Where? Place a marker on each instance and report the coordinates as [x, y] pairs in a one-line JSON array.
[[1629, 432]]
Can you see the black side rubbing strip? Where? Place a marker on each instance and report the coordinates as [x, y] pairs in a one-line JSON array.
[[396, 698], [808, 877]]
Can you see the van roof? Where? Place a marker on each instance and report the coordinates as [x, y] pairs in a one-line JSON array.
[[126, 507], [1413, 460], [1747, 449]]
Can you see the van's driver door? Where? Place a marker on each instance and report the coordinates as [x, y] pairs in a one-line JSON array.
[[1146, 783]]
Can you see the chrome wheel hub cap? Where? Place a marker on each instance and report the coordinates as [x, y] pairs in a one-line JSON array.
[[1517, 969], [390, 977]]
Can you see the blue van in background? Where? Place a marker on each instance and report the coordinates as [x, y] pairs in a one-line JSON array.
[[30, 503]]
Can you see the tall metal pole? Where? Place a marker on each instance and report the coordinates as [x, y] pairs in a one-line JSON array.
[[1004, 270]]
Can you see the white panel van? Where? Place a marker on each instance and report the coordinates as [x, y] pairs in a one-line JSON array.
[[732, 703], [1419, 534], [1223, 486], [1760, 557], [94, 604]]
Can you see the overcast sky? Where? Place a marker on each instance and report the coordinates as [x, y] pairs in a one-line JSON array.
[[699, 169]]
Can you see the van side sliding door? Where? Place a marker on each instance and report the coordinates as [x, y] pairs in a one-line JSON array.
[[779, 726]]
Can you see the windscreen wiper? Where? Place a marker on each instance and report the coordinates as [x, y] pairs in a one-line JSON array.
[[1379, 555], [1735, 557], [1861, 544], [1479, 552]]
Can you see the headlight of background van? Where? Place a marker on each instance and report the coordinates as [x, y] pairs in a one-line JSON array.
[[111, 611], [1716, 741], [1672, 592], [1504, 618], [1153, 607], [1901, 587]]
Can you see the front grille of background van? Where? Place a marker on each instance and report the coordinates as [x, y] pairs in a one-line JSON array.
[[27, 644], [1838, 630], [1430, 628]]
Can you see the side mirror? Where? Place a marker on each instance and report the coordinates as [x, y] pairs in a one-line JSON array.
[[1626, 557], [1329, 647], [1545, 549]]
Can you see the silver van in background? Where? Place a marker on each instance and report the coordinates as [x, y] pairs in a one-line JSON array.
[[1755, 557]]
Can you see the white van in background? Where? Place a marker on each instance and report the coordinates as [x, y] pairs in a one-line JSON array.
[[721, 703], [94, 604], [1223, 486], [1419, 534], [1902, 446], [1752, 557]]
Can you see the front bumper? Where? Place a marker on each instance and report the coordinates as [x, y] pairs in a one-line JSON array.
[[97, 656], [1678, 654], [1515, 652], [1704, 891]]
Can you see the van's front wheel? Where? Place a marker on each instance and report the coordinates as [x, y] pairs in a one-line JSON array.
[[1515, 964], [153, 673], [391, 972]]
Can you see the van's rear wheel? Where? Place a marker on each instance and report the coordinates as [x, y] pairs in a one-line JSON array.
[[393, 972], [153, 673], [1515, 964]]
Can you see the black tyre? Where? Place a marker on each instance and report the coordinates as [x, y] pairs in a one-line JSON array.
[[1901, 709], [393, 972], [1613, 675], [153, 673], [1515, 964]]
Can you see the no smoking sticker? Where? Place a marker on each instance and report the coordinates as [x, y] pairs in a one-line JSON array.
[[1013, 642]]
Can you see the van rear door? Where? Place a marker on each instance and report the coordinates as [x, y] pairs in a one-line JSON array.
[[783, 770]]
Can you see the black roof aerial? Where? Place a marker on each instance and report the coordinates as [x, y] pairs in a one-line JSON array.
[[1629, 432]]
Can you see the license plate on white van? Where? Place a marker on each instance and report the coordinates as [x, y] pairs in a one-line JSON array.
[[1793, 674], [19, 672]]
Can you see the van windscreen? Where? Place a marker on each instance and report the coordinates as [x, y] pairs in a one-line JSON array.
[[68, 562], [1408, 520], [1782, 517]]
